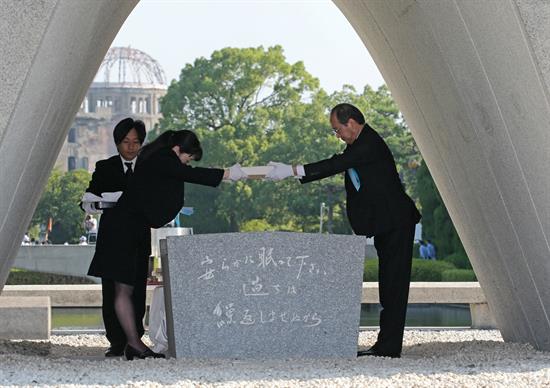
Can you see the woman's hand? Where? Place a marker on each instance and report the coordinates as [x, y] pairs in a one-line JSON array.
[[234, 173]]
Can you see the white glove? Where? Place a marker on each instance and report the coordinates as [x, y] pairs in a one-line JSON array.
[[279, 171], [88, 203], [236, 173], [89, 207]]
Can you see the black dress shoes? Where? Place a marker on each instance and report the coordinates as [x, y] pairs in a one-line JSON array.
[[130, 353], [372, 351], [115, 351]]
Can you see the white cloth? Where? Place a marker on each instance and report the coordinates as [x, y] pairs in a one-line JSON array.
[[111, 197], [236, 173], [157, 321], [89, 200], [279, 172]]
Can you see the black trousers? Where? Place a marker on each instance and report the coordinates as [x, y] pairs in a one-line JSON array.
[[394, 249], [113, 331]]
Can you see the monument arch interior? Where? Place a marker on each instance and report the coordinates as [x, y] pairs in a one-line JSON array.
[[471, 78]]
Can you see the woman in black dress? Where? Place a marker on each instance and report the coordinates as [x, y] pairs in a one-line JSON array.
[[153, 198]]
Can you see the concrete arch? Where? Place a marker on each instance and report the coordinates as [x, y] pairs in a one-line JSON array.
[[472, 79]]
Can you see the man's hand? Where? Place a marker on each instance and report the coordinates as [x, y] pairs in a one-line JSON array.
[[89, 207], [235, 173], [279, 171], [88, 203]]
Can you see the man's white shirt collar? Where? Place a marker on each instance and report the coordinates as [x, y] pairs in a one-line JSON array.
[[125, 167]]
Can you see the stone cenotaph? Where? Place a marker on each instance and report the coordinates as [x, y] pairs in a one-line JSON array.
[[265, 295]]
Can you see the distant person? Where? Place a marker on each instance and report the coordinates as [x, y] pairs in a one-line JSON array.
[[26, 240], [112, 175], [423, 250], [152, 198], [90, 224], [377, 205], [82, 240], [431, 250]]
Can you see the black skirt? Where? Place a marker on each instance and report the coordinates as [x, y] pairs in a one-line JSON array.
[[123, 246]]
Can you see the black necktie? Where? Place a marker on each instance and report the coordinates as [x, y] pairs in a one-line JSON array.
[[129, 170]]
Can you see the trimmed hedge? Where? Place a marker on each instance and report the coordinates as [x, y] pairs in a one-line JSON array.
[[422, 271], [458, 275], [459, 260], [428, 270], [370, 273], [21, 276]]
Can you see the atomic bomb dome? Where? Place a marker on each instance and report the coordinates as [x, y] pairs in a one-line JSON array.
[[129, 83], [129, 66]]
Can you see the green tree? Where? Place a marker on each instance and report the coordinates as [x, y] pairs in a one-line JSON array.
[[436, 223], [304, 135], [251, 106], [59, 202], [235, 101]]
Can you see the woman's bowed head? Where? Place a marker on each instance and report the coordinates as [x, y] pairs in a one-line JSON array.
[[187, 147]]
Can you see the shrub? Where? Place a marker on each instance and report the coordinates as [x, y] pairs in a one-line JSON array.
[[21, 276], [370, 273], [458, 275], [459, 260], [256, 225], [422, 270], [428, 270]]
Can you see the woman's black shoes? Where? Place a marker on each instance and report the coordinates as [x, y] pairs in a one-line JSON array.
[[115, 351], [130, 353]]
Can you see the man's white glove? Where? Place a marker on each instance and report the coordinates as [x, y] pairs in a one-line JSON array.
[[89, 207], [279, 171], [236, 173], [88, 203], [90, 200]]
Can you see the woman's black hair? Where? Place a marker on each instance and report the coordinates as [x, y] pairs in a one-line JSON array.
[[187, 141]]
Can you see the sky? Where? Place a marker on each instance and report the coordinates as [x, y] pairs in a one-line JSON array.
[[176, 32]]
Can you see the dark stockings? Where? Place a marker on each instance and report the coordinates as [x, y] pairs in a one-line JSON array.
[[125, 314]]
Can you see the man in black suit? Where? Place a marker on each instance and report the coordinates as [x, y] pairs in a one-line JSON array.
[[112, 175], [376, 205]]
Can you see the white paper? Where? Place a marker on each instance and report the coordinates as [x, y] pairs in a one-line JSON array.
[[257, 170], [90, 197], [111, 197]]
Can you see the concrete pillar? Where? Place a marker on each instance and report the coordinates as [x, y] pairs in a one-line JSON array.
[[481, 316], [50, 51], [472, 80]]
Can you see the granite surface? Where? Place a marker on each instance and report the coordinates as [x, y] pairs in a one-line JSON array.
[[264, 295]]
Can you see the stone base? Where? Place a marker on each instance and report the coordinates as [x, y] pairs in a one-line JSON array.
[[25, 317], [481, 316]]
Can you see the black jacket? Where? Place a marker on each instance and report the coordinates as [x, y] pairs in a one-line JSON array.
[[381, 203], [108, 176], [156, 191]]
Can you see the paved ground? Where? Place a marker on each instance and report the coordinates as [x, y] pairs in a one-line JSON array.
[[431, 358]]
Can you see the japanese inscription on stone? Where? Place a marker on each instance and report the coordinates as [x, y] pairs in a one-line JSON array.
[[267, 295]]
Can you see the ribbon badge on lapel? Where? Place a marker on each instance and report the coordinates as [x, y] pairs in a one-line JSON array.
[[354, 178]]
